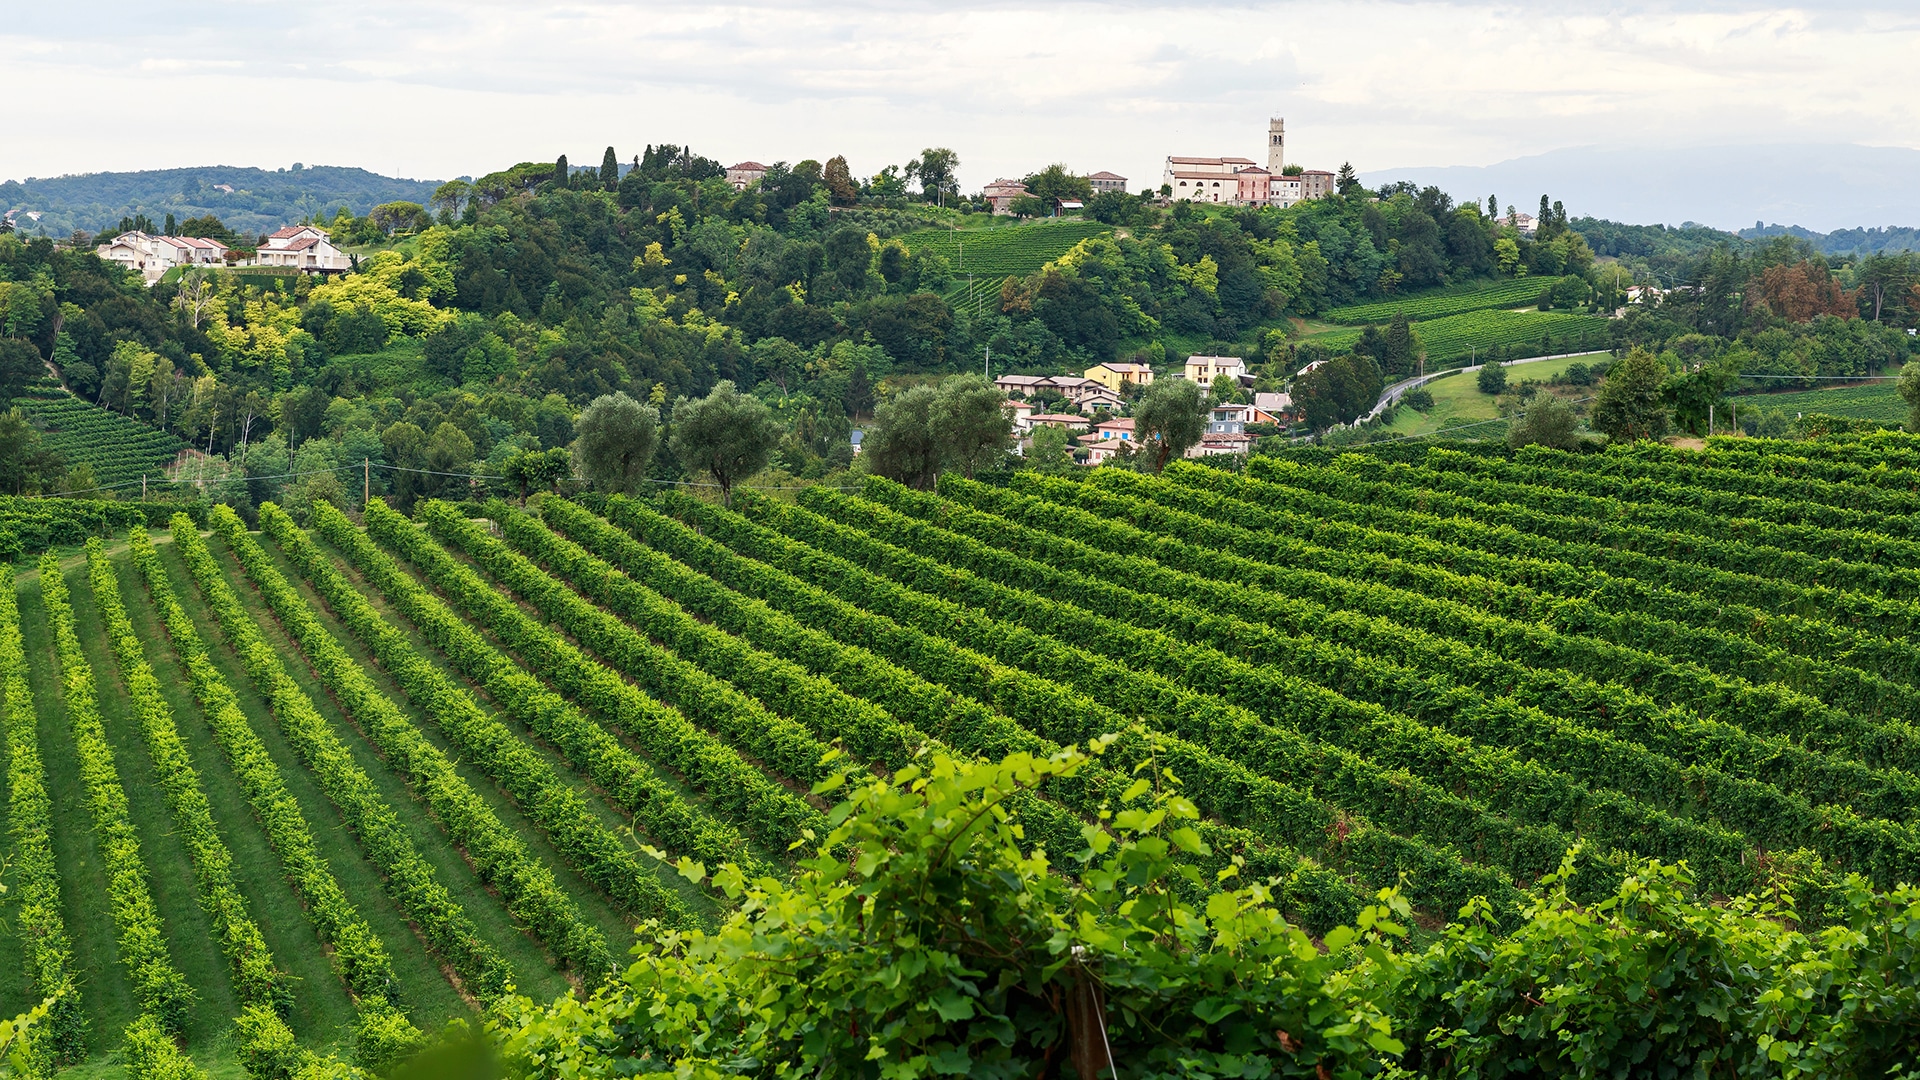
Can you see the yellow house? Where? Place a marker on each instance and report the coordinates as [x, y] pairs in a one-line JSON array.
[[1112, 375]]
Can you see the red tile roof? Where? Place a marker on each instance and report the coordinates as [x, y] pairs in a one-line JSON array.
[[748, 166]]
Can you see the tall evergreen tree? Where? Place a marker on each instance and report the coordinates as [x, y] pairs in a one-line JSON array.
[[610, 170], [171, 226], [560, 172]]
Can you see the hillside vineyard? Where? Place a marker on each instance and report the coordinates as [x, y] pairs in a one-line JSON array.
[[324, 787]]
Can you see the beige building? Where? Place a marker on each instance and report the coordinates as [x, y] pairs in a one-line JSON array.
[[1002, 192], [303, 247], [1106, 181], [745, 173], [1204, 369], [153, 256], [1113, 374]]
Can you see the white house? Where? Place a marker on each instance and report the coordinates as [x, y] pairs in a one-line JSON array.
[[1233, 419], [303, 247], [153, 256], [1215, 444]]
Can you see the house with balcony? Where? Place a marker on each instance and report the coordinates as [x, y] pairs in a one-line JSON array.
[[153, 256], [305, 248], [1203, 370]]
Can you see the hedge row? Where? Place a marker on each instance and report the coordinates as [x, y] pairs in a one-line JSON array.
[[1123, 626], [1194, 609], [628, 779], [942, 688], [256, 981], [764, 809], [409, 879], [498, 854], [1765, 708], [42, 929], [1759, 608], [1315, 791], [160, 989], [1574, 708], [357, 954]]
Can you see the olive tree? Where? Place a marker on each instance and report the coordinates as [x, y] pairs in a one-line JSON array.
[[614, 439], [727, 435]]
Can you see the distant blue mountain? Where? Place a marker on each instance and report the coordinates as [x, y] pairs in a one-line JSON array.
[[261, 201], [1819, 188]]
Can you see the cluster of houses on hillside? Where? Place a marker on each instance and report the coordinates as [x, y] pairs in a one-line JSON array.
[[301, 247], [1104, 389]]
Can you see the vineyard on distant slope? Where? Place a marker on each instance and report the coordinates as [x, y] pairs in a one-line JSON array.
[[369, 776], [120, 448], [991, 255], [1479, 296]]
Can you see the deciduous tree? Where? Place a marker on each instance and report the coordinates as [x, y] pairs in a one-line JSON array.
[[1629, 405]]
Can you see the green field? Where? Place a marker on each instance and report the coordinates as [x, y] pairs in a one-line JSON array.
[[1458, 402], [990, 255], [1875, 401]]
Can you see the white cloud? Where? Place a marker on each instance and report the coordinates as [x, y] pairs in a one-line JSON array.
[[439, 88]]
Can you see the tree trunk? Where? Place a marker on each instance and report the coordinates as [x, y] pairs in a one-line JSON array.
[[1087, 1027]]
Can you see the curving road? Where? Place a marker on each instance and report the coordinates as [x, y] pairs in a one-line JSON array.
[[1392, 393]]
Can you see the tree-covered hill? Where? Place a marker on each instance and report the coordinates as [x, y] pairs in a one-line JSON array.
[[262, 200]]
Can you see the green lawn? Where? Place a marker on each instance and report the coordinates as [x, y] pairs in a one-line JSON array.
[[1457, 400]]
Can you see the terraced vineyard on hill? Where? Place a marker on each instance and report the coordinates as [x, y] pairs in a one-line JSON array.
[[990, 255], [120, 448], [311, 791]]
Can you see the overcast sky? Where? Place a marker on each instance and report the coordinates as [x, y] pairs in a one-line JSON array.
[[440, 88]]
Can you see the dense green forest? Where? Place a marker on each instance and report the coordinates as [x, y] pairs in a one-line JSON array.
[[261, 201]]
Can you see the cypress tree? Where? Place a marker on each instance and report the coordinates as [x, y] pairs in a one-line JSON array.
[[610, 170], [171, 227], [560, 173]]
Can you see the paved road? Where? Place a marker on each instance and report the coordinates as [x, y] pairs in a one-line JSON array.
[[1392, 393]]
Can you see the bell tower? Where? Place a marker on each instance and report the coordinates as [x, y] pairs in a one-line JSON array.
[[1276, 145]]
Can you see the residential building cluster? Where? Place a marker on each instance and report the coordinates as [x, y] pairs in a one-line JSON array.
[[1238, 181], [301, 247], [1104, 390]]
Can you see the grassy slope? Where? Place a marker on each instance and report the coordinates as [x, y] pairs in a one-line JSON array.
[[1457, 400]]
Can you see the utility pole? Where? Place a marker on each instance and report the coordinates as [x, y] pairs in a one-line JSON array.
[[986, 369], [366, 480], [143, 487]]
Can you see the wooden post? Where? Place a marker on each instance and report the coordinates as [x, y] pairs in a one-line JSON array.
[[366, 480]]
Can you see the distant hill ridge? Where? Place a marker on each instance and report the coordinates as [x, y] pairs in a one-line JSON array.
[[261, 200]]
